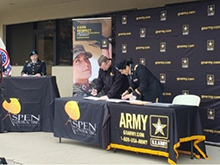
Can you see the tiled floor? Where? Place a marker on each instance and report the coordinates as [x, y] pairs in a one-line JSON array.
[[44, 148]]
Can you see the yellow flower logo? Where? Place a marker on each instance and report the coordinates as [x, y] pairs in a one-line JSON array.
[[13, 107], [72, 110]]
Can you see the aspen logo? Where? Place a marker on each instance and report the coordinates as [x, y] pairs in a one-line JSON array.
[[79, 127], [14, 108], [72, 110]]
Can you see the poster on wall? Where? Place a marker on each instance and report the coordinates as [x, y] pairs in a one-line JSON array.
[[91, 39]]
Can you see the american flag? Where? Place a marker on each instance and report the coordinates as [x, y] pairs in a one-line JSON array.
[[5, 60]]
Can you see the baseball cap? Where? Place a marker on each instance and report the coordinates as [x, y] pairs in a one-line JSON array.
[[79, 49], [33, 52], [120, 64]]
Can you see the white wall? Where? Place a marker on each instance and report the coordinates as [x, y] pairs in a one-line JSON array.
[[16, 70], [64, 77]]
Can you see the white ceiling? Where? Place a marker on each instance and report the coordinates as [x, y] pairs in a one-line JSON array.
[[7, 5]]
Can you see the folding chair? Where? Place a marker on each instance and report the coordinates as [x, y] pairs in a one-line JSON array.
[[187, 99]]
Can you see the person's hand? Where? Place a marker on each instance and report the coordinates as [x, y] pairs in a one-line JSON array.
[[37, 75], [126, 96], [125, 93], [105, 97], [24, 75], [94, 92]]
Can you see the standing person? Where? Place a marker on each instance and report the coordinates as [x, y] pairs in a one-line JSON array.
[[35, 66], [109, 81], [143, 84], [82, 71]]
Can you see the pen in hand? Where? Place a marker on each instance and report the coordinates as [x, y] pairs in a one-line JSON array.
[[125, 93], [94, 92]]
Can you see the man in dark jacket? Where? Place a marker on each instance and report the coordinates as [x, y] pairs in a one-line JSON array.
[[110, 81]]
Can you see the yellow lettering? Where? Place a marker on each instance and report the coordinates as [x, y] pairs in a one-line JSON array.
[[122, 121], [136, 121], [129, 120], [144, 121]]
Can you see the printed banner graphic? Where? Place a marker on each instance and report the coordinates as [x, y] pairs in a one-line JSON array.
[[91, 39], [179, 44], [81, 120]]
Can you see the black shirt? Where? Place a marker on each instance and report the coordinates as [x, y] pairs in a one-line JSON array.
[[31, 68], [144, 85], [112, 82]]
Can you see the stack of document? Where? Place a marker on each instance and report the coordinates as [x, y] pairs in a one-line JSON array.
[[136, 102], [161, 104], [92, 98], [109, 100], [139, 102]]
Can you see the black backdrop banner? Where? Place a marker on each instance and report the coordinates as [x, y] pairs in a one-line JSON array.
[[179, 44]]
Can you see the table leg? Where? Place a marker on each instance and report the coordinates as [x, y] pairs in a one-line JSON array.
[[192, 149]]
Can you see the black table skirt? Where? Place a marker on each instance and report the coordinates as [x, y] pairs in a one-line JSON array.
[[36, 96]]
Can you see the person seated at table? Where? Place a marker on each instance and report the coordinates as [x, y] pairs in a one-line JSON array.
[[143, 84], [110, 81], [34, 67]]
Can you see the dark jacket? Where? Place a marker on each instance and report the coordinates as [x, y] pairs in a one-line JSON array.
[[144, 84], [34, 68], [112, 82]]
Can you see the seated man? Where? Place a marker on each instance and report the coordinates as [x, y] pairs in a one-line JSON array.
[[34, 67], [110, 81]]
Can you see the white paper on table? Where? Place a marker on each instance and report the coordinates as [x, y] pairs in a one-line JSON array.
[[91, 98], [161, 104], [117, 100]]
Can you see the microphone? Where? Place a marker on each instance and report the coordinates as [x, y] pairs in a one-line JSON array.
[[3, 95]]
